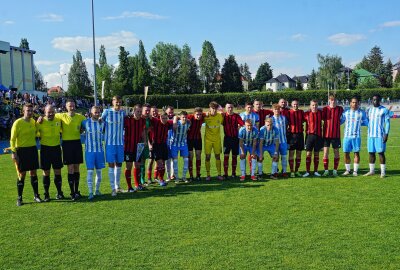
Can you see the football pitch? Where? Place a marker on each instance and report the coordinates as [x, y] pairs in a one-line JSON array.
[[301, 223]]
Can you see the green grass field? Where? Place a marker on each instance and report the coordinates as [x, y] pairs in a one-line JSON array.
[[313, 223]]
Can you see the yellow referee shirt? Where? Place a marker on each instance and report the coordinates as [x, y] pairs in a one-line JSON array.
[[213, 127], [23, 134], [71, 125], [49, 132]]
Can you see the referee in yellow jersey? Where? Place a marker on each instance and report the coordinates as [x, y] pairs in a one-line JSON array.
[[71, 145], [24, 151], [49, 131]]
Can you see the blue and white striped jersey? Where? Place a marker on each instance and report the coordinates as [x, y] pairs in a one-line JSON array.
[[378, 121], [353, 120], [179, 135], [93, 135], [114, 126], [269, 136], [280, 123], [252, 116], [248, 136]]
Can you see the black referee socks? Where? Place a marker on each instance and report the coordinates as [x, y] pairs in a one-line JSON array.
[[46, 183], [35, 185]]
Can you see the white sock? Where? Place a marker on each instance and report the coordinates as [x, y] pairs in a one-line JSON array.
[[90, 180], [176, 168], [168, 168], [372, 167], [171, 164], [253, 166], [356, 165], [117, 173], [111, 177], [274, 167], [284, 164], [185, 166], [98, 179], [383, 169], [243, 166], [347, 166], [260, 167]]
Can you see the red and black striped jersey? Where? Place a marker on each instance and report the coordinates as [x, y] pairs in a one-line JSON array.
[[285, 112], [134, 130], [295, 120], [314, 122], [194, 132], [159, 130], [332, 121], [232, 123], [262, 114]]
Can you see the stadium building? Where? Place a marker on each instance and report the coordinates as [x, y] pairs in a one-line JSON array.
[[16, 67]]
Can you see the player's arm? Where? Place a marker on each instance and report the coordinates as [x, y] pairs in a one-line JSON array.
[[364, 119], [13, 140], [387, 126], [260, 145], [253, 150], [241, 146], [175, 122], [342, 118]]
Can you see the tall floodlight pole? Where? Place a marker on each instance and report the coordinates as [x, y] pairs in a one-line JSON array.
[[94, 60]]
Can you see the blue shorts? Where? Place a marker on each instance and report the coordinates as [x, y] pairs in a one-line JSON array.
[[94, 160], [351, 145], [114, 153], [247, 149], [376, 145], [269, 148], [283, 147], [183, 150]]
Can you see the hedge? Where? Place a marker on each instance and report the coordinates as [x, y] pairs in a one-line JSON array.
[[202, 100]]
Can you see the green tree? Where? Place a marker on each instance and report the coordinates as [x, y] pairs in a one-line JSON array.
[[209, 64], [368, 83], [396, 82], [104, 72], [375, 60], [312, 83], [24, 44], [264, 73], [142, 76], [164, 61], [188, 79], [386, 77], [78, 77], [329, 67], [245, 71], [353, 80], [122, 75], [40, 85], [299, 86], [231, 76]]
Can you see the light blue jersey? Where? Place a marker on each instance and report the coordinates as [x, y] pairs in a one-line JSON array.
[[248, 136], [179, 135], [93, 135], [255, 119], [353, 120], [378, 121], [269, 136], [114, 126], [280, 123]]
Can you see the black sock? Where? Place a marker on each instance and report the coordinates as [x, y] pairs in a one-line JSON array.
[[35, 185], [58, 183], [71, 183], [20, 186], [76, 178], [46, 184]]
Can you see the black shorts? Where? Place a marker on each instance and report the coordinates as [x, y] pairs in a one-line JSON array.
[[314, 143], [295, 141], [28, 159], [159, 152], [231, 144], [50, 156], [195, 144], [131, 157], [336, 143], [72, 152]]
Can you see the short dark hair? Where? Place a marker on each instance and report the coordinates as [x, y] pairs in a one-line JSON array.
[[213, 105], [377, 95], [248, 103], [70, 100], [198, 109], [183, 113], [146, 105]]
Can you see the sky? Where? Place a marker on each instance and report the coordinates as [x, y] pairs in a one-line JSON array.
[[286, 34]]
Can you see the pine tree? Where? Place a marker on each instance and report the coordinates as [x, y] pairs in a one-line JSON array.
[[387, 75], [123, 78], [142, 75], [264, 73], [188, 79], [312, 83], [39, 83], [24, 44], [78, 77], [231, 76], [209, 64], [104, 73], [396, 82]]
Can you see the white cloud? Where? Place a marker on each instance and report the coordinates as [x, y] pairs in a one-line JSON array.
[[51, 17], [391, 24], [298, 37], [344, 39], [54, 78], [46, 62], [84, 43], [136, 14], [8, 22]]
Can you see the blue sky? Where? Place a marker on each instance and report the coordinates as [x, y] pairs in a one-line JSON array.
[[287, 34]]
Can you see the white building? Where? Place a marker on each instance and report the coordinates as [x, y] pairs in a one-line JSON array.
[[279, 83]]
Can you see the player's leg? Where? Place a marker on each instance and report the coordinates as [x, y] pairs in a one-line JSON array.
[[243, 163], [57, 165], [316, 162], [299, 149], [175, 154], [191, 156], [336, 158], [207, 149], [356, 149], [185, 155], [111, 159], [283, 151], [347, 148], [198, 163], [308, 161], [372, 158], [99, 165], [226, 156], [45, 164], [235, 153], [46, 185], [77, 177], [325, 158], [90, 163], [382, 160], [217, 153], [136, 174], [128, 171]]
